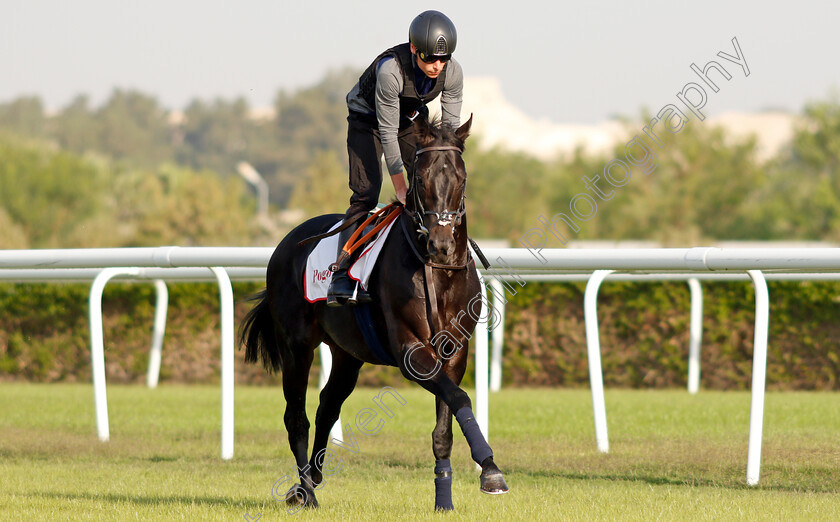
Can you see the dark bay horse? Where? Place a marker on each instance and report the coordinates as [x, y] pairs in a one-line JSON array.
[[423, 288]]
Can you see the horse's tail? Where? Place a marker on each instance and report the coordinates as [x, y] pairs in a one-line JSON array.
[[259, 336]]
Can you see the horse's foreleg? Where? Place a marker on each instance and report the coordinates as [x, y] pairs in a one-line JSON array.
[[342, 381], [424, 368], [442, 448]]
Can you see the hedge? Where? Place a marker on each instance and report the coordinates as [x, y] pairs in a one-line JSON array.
[[44, 335]]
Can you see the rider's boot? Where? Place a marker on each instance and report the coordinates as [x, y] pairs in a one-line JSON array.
[[342, 288]]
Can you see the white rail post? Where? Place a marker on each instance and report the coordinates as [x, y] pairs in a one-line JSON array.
[[226, 299], [161, 306], [593, 352], [482, 403], [762, 323], [326, 368], [497, 336], [695, 335], [97, 347]]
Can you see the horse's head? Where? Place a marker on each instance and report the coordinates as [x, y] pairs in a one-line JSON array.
[[438, 185]]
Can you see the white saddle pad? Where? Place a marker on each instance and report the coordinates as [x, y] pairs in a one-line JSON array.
[[317, 276]]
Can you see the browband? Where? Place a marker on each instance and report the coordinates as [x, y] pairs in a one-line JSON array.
[[437, 147]]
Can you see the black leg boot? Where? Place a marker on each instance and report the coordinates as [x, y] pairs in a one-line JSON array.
[[341, 286]]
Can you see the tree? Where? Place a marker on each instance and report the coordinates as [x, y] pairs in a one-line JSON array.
[[24, 116], [308, 123], [12, 234], [75, 128], [695, 186], [177, 206], [323, 188], [505, 193], [215, 136], [47, 193], [132, 126], [803, 196]]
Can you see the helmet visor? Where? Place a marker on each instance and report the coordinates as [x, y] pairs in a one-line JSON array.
[[432, 59]]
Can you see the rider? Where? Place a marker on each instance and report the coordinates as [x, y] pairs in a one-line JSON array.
[[392, 91]]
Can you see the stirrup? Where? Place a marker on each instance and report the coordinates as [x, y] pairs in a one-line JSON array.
[[360, 296]]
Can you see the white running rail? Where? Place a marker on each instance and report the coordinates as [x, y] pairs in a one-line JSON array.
[[521, 262]]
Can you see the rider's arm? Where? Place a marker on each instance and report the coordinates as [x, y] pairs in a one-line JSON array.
[[388, 87], [452, 95]]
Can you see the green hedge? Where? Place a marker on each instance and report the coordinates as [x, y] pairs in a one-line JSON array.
[[44, 335], [645, 335]]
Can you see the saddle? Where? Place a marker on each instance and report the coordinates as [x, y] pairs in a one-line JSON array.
[[368, 240]]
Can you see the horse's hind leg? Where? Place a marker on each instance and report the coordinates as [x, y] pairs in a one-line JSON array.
[[295, 380], [342, 380]]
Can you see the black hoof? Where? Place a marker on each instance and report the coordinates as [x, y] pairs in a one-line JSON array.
[[301, 496], [493, 483]]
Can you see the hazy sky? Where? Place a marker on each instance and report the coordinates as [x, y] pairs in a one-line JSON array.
[[571, 62]]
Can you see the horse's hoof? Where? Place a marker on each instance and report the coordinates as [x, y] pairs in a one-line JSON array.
[[300, 496], [493, 483]]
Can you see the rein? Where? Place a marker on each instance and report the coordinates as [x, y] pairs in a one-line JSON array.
[[355, 242], [428, 279]]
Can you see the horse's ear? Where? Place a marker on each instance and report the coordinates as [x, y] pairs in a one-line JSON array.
[[423, 131], [464, 130]]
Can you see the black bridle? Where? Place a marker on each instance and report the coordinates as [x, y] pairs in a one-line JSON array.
[[447, 217], [451, 218]]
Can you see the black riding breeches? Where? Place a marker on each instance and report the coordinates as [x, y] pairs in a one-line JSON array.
[[364, 150]]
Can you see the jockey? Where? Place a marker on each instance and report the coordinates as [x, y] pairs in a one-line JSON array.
[[392, 91]]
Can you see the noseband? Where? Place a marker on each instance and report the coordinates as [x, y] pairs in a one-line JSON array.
[[451, 218]]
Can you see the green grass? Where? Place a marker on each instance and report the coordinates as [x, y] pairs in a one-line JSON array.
[[672, 457]]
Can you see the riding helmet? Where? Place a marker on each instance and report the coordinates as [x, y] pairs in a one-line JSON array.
[[433, 34]]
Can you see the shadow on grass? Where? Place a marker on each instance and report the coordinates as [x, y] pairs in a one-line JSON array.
[[146, 500], [659, 480]]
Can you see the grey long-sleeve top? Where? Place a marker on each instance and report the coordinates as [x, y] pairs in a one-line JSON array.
[[389, 85]]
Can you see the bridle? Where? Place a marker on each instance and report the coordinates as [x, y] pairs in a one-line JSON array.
[[451, 218]]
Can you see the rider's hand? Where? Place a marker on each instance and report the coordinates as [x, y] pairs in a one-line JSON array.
[[399, 186]]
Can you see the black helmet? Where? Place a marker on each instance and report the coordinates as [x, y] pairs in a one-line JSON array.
[[433, 34]]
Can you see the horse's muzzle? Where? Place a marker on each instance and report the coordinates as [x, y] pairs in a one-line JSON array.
[[441, 245]]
